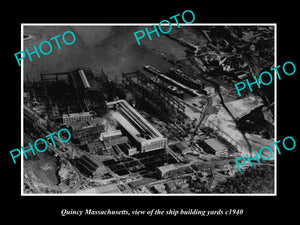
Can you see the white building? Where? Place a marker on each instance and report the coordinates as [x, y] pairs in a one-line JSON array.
[[147, 137], [76, 117]]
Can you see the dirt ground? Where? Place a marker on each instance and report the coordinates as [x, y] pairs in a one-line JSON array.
[[44, 168]]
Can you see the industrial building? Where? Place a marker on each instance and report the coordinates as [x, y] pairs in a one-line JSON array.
[[180, 148], [152, 97], [162, 76], [127, 148], [189, 81], [109, 136], [213, 146], [73, 91], [174, 170], [95, 147], [141, 132], [76, 117], [85, 82], [86, 165], [101, 147], [85, 131]]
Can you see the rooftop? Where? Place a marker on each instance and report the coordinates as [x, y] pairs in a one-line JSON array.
[[135, 124], [215, 144], [76, 114], [171, 167], [111, 133]]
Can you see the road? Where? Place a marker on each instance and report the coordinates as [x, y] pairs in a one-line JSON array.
[[202, 116]]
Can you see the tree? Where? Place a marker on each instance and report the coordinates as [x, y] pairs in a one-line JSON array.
[[253, 180]]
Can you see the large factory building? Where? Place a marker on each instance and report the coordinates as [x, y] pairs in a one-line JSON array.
[[70, 93], [142, 133]]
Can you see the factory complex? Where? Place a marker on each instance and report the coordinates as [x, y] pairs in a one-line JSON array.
[[117, 142], [155, 129]]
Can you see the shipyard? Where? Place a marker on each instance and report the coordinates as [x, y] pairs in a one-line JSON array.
[[163, 117]]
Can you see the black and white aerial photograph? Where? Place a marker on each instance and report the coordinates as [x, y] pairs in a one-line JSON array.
[[147, 117]]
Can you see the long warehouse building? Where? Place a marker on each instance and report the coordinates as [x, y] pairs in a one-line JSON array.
[[147, 137]]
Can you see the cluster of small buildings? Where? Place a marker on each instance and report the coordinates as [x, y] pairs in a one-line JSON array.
[[228, 55], [176, 186]]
